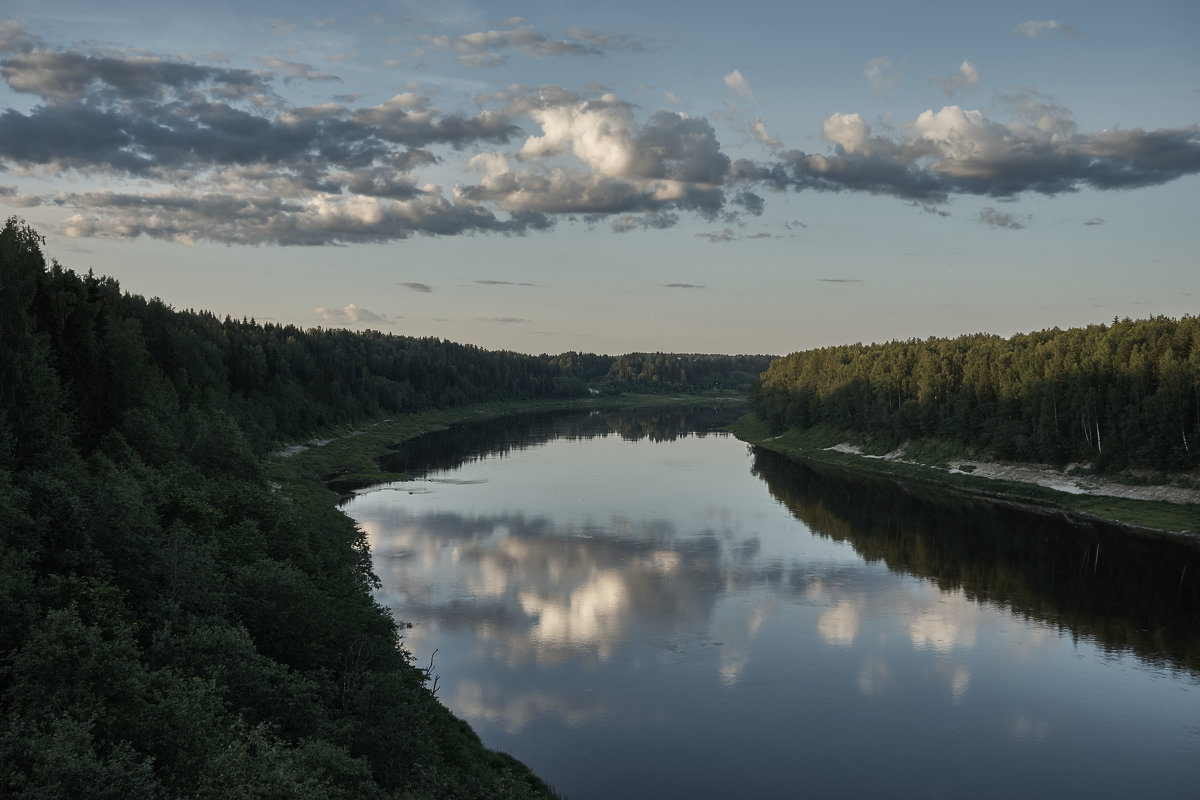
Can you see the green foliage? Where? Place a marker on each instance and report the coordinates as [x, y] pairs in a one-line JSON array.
[[171, 625], [1120, 396], [674, 371]]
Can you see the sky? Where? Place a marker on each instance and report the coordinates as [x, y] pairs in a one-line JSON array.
[[752, 177]]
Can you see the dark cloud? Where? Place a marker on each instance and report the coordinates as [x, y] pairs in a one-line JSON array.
[[752, 203], [684, 285], [840, 280], [244, 166], [504, 283], [71, 75], [1095, 221], [680, 148], [416, 287], [14, 198]]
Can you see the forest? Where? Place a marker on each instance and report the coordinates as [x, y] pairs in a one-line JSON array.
[[171, 623], [1117, 396]]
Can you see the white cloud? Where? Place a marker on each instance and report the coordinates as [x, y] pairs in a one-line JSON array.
[[759, 129], [839, 624], [1036, 27], [349, 314], [964, 79], [881, 76], [848, 131], [738, 83], [597, 132]]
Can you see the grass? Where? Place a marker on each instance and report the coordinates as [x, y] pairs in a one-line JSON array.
[[934, 459]]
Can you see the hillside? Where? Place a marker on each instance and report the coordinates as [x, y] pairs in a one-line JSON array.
[[172, 624]]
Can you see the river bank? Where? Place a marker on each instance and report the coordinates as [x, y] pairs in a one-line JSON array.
[[346, 458], [1166, 503]]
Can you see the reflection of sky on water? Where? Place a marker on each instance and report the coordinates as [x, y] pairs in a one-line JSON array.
[[595, 598]]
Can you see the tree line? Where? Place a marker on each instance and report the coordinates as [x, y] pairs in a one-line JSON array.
[[1120, 395]]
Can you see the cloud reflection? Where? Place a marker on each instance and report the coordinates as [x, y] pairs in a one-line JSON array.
[[533, 589], [513, 712], [839, 624]]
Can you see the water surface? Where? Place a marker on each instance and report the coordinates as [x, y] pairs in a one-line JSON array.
[[635, 609]]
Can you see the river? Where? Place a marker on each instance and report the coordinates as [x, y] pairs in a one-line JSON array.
[[642, 606]]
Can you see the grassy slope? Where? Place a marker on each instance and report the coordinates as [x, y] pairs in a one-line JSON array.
[[812, 445]]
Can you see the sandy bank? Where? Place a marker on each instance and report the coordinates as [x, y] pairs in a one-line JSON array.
[[1063, 480]]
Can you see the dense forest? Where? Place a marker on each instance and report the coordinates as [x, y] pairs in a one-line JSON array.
[[172, 625], [1119, 396]]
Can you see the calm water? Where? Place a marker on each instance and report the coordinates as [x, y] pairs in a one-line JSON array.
[[636, 611]]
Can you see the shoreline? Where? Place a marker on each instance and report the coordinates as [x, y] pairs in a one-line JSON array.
[[1150, 507]]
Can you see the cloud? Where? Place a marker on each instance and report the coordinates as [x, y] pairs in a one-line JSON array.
[[726, 235], [673, 99], [485, 48], [350, 314], [503, 320], [292, 70], [13, 197], [964, 79], [107, 76], [960, 151], [738, 83], [323, 219], [1000, 219], [1039, 110], [684, 285], [186, 151], [281, 28], [672, 161], [504, 283], [242, 165], [1034, 28], [753, 203], [759, 129], [881, 76], [15, 39], [847, 131], [841, 280], [1095, 221], [416, 287], [650, 220]]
